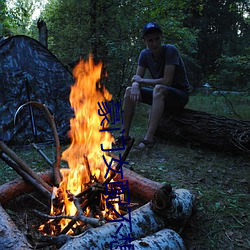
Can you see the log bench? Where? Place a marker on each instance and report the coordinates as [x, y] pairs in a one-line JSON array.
[[211, 131]]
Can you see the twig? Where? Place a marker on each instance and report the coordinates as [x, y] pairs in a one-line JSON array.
[[24, 166], [42, 154]]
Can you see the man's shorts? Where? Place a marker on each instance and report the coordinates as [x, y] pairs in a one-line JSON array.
[[174, 100]]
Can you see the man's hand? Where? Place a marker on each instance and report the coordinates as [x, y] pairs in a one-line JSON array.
[[136, 78], [135, 93]]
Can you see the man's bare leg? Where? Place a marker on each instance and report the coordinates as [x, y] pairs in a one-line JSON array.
[[129, 109], [156, 113]]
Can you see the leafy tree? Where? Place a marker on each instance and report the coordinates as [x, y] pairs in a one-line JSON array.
[[111, 30], [4, 20], [223, 32]]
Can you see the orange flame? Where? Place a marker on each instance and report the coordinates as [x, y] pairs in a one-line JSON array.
[[85, 135]]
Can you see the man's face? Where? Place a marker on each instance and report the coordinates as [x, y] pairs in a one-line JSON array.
[[153, 40]]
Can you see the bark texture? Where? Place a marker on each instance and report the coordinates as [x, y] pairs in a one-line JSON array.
[[212, 131], [162, 240], [18, 187], [146, 220], [10, 237]]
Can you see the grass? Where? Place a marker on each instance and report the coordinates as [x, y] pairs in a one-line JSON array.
[[219, 180]]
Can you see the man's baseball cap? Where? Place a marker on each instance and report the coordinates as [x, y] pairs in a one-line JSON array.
[[149, 27]]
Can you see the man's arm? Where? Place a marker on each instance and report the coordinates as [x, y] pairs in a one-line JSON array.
[[166, 80], [135, 93]]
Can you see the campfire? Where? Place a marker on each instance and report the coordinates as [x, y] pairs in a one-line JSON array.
[[81, 196], [87, 198]]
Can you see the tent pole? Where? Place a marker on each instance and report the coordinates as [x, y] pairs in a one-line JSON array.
[[33, 125]]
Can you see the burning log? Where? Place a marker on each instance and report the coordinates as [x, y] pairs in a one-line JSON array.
[[163, 239], [10, 237], [216, 132], [165, 210], [141, 187]]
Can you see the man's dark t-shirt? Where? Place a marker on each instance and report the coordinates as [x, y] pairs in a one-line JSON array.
[[171, 56]]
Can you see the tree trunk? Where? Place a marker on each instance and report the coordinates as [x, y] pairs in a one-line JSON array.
[[10, 237], [212, 131], [43, 32]]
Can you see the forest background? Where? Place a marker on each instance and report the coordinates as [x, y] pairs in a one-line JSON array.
[[212, 36]]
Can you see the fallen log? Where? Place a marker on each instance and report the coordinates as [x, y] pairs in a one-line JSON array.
[[141, 187], [161, 240], [18, 187], [10, 237], [149, 218], [211, 131]]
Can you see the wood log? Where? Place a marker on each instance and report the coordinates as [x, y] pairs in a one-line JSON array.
[[145, 220], [26, 176], [211, 131], [161, 240], [10, 237], [18, 187], [141, 187], [25, 167]]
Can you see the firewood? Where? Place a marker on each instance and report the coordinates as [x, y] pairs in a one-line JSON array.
[[13, 156], [26, 176], [18, 187], [10, 237], [149, 218], [141, 187], [161, 240]]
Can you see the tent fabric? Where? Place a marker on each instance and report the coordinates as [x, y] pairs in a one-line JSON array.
[[30, 72]]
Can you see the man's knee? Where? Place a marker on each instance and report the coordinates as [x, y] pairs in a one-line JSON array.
[[127, 92], [159, 90]]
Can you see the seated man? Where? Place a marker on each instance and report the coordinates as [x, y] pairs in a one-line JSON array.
[[168, 89]]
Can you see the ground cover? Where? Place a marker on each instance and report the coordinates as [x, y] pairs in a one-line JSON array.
[[219, 180]]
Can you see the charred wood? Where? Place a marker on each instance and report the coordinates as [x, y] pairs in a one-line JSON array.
[[141, 187]]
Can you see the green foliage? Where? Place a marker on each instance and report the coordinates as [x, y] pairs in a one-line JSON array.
[[233, 72], [212, 36]]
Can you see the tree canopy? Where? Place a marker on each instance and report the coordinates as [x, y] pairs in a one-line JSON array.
[[212, 35]]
